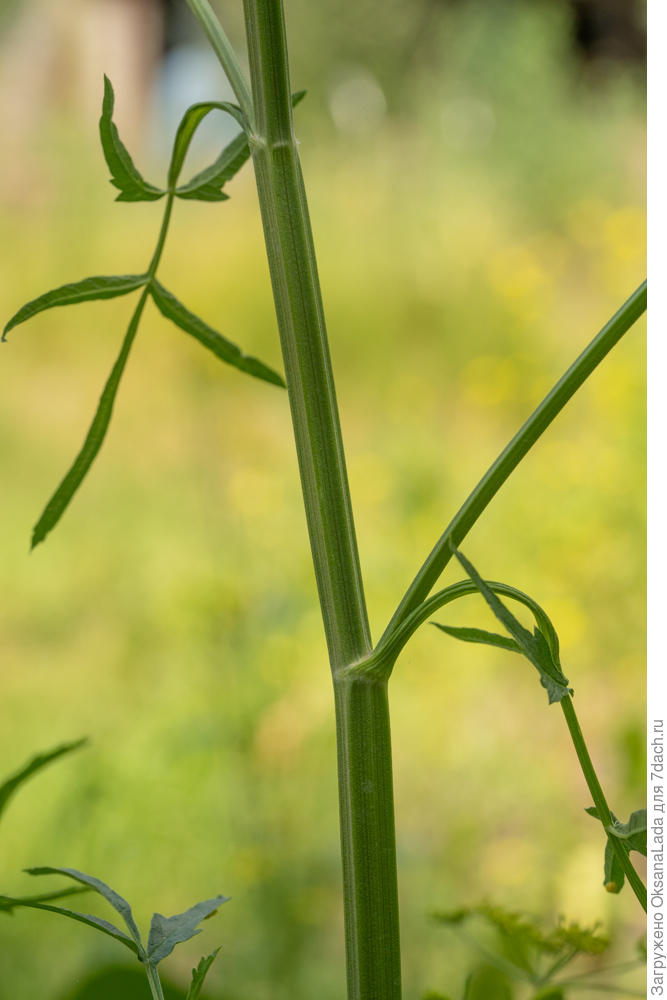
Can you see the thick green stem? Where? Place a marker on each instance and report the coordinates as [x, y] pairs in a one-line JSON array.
[[298, 302], [364, 751], [598, 797], [367, 837], [516, 450]]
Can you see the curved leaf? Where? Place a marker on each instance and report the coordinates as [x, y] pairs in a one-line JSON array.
[[194, 115], [167, 932], [481, 636], [124, 174], [7, 902], [224, 349], [119, 904], [98, 287], [205, 186], [8, 787], [199, 975], [541, 651], [60, 500]]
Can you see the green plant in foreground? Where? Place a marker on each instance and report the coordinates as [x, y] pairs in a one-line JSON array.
[[541, 649], [523, 953], [360, 670], [164, 934]]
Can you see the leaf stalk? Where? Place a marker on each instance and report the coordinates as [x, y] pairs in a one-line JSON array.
[[599, 799]]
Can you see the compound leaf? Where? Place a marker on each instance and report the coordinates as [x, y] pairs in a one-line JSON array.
[[124, 174], [119, 904], [166, 932], [98, 287], [199, 975], [8, 787], [224, 349]]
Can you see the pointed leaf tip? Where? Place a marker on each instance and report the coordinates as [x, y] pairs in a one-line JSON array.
[[86, 290], [166, 932], [124, 174], [224, 349], [94, 439], [199, 975]]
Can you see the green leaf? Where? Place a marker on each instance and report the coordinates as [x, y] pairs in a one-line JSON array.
[[481, 636], [487, 983], [45, 897], [8, 788], [540, 648], [194, 115], [119, 904], [100, 287], [124, 174], [8, 902], [550, 993], [167, 932], [633, 833], [224, 349], [199, 975], [205, 186], [60, 500]]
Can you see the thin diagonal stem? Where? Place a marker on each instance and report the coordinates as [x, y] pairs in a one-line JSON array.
[[516, 450], [225, 53], [594, 787]]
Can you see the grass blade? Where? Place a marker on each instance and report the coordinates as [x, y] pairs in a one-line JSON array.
[[34, 765], [199, 975], [8, 902], [119, 904], [166, 932], [60, 500], [99, 287], [124, 174], [224, 349]]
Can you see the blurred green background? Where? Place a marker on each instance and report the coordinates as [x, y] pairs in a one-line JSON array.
[[476, 188]]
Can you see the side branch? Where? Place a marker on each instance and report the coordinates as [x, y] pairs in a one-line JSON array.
[[516, 450]]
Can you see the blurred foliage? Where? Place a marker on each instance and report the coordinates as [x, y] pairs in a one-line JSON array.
[[472, 237], [521, 955]]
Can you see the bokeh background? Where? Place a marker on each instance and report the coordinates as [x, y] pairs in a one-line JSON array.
[[476, 181]]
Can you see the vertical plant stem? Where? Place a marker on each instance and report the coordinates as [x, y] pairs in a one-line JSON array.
[[362, 713], [368, 841], [599, 799], [154, 982]]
